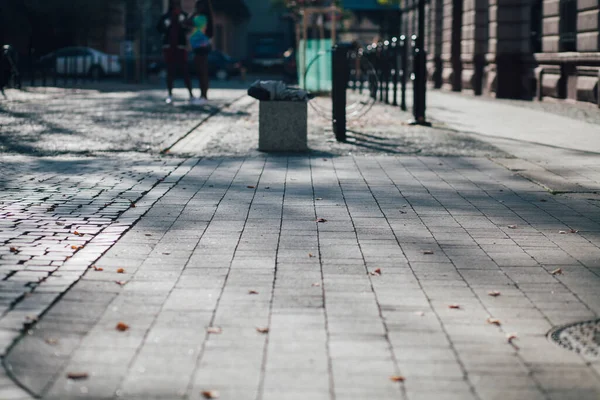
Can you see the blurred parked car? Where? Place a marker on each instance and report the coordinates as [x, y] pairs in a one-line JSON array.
[[81, 61], [267, 54], [220, 66]]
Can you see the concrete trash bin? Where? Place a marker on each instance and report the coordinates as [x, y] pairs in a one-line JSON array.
[[282, 126]]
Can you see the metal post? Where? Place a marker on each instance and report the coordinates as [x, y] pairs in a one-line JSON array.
[[359, 55], [54, 71], [420, 71], [31, 67], [341, 72], [404, 68], [387, 68], [380, 69], [396, 72]]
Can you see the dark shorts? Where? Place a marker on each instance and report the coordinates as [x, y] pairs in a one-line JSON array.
[[175, 56], [203, 51]]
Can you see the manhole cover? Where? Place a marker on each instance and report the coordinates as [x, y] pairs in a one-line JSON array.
[[581, 337]]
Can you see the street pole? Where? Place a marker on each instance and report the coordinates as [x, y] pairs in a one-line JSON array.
[[420, 70]]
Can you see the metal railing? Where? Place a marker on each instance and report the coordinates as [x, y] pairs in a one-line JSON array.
[[392, 66]]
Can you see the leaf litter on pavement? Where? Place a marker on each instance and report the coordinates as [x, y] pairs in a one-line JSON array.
[[122, 327]]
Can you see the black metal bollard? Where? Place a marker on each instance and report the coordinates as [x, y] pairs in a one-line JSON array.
[[340, 75], [380, 69], [404, 68], [359, 55], [419, 85], [387, 70], [31, 69], [395, 66], [420, 71], [371, 77]]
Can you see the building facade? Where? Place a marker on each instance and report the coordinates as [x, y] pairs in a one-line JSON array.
[[521, 49]]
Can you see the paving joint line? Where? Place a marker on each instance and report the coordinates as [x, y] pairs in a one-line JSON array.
[[137, 352], [442, 326], [323, 292], [530, 372], [212, 320], [369, 276], [263, 370]]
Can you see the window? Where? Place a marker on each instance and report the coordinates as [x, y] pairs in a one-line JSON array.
[[568, 25], [536, 26]]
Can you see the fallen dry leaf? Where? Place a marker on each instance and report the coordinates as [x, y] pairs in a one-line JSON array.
[[78, 234], [120, 271], [316, 284], [262, 330], [14, 250], [428, 252], [120, 283], [494, 293], [510, 338], [376, 272], [397, 378], [210, 394], [76, 247], [512, 227], [147, 234], [494, 321], [557, 271], [132, 204], [310, 255], [574, 231], [97, 268], [250, 187], [321, 220], [454, 306], [122, 327], [76, 376], [252, 292], [214, 329]]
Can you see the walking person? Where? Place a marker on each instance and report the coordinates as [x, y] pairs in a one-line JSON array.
[[202, 33], [173, 26]]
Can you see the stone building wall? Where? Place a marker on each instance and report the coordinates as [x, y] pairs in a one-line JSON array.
[[513, 48], [574, 74]]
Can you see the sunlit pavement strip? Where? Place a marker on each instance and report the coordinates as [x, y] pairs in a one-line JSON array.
[[59, 215], [444, 274]]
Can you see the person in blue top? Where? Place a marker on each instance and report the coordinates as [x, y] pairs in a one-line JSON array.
[[201, 23]]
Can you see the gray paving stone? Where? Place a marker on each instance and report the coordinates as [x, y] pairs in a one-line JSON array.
[[333, 327]]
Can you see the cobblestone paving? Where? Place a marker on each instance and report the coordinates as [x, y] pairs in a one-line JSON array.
[[50, 121], [421, 268], [51, 208]]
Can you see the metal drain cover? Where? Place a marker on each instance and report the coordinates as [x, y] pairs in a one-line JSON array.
[[580, 337]]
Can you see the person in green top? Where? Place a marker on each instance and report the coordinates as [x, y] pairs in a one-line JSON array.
[[201, 23]]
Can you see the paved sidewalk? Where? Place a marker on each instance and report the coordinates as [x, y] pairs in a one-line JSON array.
[[555, 145], [394, 281]]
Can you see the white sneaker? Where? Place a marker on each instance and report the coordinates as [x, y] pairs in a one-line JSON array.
[[169, 100], [198, 101]]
